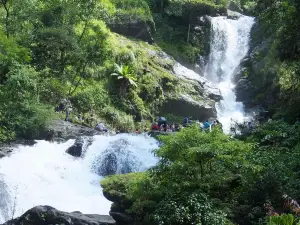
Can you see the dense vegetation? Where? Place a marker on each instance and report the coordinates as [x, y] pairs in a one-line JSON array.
[[50, 50], [274, 71], [211, 178], [53, 49]]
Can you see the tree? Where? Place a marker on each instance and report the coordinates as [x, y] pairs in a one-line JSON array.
[[6, 6]]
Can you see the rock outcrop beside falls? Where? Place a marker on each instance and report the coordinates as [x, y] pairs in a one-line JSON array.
[[45, 215], [197, 97], [80, 146], [60, 130], [175, 89]]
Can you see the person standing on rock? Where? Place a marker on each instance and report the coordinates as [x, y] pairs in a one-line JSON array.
[[68, 109]]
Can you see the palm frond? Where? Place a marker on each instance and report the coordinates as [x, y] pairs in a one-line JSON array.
[[132, 83], [119, 69]]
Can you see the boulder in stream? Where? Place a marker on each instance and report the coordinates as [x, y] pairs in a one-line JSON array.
[[46, 215], [79, 147]]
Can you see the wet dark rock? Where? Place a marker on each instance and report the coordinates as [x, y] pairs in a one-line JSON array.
[[136, 29], [76, 149], [109, 165], [244, 92], [116, 159], [121, 218], [185, 105], [59, 130], [80, 146], [46, 215]]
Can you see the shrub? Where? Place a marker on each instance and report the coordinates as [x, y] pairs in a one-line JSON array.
[[188, 209], [92, 96], [118, 119]]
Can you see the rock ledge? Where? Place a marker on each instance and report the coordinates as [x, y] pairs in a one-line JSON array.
[[46, 215]]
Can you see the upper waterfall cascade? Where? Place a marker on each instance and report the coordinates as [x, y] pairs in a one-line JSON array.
[[229, 45], [45, 174]]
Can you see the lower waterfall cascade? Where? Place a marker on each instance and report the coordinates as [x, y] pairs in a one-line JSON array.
[[44, 174]]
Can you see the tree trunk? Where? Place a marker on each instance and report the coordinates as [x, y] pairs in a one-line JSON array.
[[5, 5], [188, 35], [162, 8]]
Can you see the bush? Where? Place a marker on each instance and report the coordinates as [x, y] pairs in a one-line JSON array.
[[93, 96], [118, 119], [188, 209]]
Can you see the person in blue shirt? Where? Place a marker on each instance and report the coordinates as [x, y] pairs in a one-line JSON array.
[[206, 125], [185, 121]]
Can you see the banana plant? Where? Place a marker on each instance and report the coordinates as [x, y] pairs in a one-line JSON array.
[[125, 73]]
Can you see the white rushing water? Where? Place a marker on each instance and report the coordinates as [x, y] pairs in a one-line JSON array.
[[45, 175], [229, 45]]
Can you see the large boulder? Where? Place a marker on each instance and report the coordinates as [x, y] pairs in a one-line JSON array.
[[196, 98], [46, 215], [80, 146], [137, 29], [244, 92], [202, 86], [116, 159], [59, 130], [185, 105]]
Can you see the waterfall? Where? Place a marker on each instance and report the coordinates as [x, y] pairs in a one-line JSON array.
[[44, 174], [229, 45]]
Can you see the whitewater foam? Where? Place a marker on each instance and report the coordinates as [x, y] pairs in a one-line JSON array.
[[229, 45], [45, 175]]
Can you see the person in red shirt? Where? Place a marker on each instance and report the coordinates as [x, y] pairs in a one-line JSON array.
[[155, 126]]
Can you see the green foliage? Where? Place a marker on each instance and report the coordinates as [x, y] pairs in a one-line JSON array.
[[132, 10], [188, 208], [274, 173], [92, 97], [200, 176], [21, 112], [125, 73], [11, 52], [284, 219], [185, 7], [118, 119], [120, 185], [189, 160]]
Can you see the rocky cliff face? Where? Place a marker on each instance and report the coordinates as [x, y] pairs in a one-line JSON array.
[[256, 79], [137, 29], [195, 96]]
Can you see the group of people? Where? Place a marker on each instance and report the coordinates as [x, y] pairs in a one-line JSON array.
[[162, 125], [65, 106], [203, 126]]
